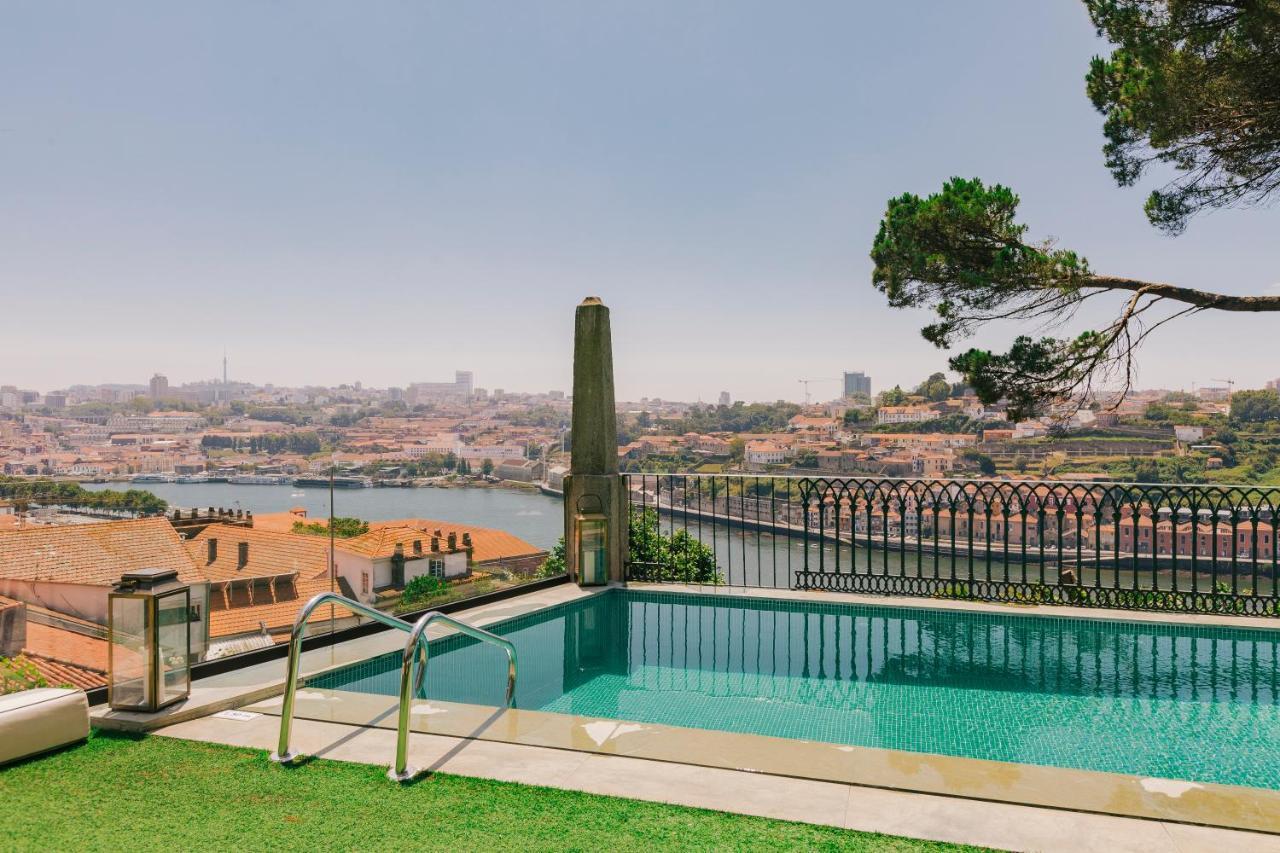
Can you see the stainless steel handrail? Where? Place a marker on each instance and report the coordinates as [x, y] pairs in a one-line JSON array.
[[416, 649], [283, 755]]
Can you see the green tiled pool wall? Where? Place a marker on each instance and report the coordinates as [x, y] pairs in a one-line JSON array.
[[1150, 698], [1023, 652]]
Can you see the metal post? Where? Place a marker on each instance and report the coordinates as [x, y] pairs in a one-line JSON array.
[[283, 754], [417, 648], [333, 567]]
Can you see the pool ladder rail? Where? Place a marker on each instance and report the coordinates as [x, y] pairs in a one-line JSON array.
[[417, 654]]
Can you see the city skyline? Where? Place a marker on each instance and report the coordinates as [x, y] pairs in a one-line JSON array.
[[717, 185], [852, 384]]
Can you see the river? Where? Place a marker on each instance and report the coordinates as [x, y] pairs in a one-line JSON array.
[[531, 515], [743, 556]]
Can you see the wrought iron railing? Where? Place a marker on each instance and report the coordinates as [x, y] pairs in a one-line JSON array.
[[1142, 547]]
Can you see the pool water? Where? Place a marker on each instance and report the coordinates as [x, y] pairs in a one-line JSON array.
[[1183, 702]]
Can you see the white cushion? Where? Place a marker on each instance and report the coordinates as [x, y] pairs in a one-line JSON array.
[[34, 721]]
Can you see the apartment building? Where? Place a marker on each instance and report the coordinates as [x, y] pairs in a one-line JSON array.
[[905, 414]]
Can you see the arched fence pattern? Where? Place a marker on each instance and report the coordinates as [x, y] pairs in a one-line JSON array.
[[1189, 548]]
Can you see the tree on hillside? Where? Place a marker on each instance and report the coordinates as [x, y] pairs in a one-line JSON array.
[[935, 389], [895, 396], [1255, 406], [853, 417], [1190, 84]]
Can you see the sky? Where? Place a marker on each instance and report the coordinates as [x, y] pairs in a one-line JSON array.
[[388, 191]]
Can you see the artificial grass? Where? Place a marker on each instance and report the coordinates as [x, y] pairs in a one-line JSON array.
[[146, 793]]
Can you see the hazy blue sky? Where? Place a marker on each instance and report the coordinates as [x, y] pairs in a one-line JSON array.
[[387, 191]]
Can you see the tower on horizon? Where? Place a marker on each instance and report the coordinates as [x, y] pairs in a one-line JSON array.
[[857, 383], [159, 387], [220, 394]]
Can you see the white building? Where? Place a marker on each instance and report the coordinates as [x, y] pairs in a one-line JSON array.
[[905, 414], [496, 452], [155, 422], [764, 453], [390, 557], [1188, 434]]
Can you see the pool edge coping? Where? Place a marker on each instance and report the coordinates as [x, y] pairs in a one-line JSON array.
[[1070, 789]]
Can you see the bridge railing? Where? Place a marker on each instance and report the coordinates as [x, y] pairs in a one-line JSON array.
[[1188, 548]]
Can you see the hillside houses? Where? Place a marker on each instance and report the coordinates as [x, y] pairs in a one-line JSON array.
[[247, 583]]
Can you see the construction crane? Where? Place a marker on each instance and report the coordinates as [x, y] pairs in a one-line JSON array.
[[805, 383], [1231, 387]]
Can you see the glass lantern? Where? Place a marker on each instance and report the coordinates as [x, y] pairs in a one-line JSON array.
[[593, 549], [149, 648]]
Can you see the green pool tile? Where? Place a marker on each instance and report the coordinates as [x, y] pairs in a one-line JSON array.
[[1199, 703]]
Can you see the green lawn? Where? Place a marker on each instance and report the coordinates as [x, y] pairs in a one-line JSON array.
[[121, 793]]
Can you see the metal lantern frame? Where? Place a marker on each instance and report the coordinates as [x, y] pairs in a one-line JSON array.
[[590, 525], [151, 587]]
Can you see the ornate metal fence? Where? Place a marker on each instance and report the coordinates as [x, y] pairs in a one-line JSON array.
[[1208, 549]]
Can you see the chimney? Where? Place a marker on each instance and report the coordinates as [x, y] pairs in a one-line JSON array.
[[417, 547], [466, 540], [243, 557], [453, 541], [213, 549], [13, 629]]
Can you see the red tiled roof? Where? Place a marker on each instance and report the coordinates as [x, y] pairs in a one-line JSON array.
[[93, 554], [381, 541], [58, 673], [59, 644], [278, 615], [271, 554], [487, 543], [282, 522]]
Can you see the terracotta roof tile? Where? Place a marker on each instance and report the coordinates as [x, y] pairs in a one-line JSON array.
[[58, 673], [93, 554], [381, 540], [59, 644], [270, 554], [488, 543], [278, 616]]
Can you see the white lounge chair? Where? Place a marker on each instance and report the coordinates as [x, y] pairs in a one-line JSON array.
[[35, 721]]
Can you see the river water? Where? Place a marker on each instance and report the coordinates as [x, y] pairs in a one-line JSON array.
[[744, 557], [531, 515]]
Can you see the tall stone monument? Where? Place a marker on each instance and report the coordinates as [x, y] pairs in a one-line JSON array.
[[594, 489]]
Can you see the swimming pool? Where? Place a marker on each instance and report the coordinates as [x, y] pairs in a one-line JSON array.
[[1199, 703]]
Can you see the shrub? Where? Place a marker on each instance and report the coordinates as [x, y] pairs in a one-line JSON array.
[[343, 528], [423, 586], [653, 555], [18, 673]]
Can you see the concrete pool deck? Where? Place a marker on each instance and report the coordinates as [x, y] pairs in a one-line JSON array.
[[1158, 799], [939, 790], [941, 818]]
